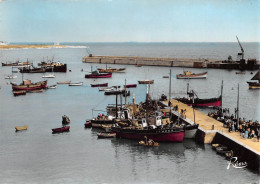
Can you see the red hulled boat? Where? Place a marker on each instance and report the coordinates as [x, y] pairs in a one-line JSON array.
[[61, 129], [96, 74], [198, 102], [27, 85], [18, 93], [99, 85], [130, 86], [160, 135]]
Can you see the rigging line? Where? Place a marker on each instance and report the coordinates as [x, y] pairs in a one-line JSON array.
[[99, 103]]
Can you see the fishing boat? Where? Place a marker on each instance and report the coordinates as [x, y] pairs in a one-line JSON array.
[[130, 86], [76, 84], [32, 69], [110, 70], [99, 85], [27, 85], [97, 74], [146, 81], [17, 64], [199, 102], [18, 93], [194, 100], [10, 77], [20, 128], [138, 65], [56, 68], [190, 75], [106, 88], [148, 143], [52, 87], [175, 134], [106, 135], [65, 120], [255, 85], [64, 82], [61, 129]]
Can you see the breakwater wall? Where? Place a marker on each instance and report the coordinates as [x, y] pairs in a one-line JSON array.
[[168, 62]]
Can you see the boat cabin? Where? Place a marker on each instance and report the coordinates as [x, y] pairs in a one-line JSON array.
[[152, 122]]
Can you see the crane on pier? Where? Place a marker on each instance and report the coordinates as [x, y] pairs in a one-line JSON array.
[[240, 54]]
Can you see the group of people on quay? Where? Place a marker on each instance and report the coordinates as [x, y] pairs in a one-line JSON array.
[[248, 129]]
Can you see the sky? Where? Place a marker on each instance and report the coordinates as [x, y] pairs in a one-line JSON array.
[[129, 20]]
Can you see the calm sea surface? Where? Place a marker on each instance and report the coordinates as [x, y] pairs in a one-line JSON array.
[[38, 156]]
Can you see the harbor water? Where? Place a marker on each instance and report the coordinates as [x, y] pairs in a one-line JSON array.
[[38, 156]]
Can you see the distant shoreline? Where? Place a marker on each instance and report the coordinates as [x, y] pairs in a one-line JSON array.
[[30, 46]]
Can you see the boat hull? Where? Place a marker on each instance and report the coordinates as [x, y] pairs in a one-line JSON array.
[[190, 131], [20, 128], [60, 130], [38, 85], [106, 135], [211, 102], [253, 85], [18, 93], [99, 85], [166, 135], [64, 82], [110, 70], [130, 86], [101, 75], [146, 82], [101, 123], [193, 76], [76, 84]]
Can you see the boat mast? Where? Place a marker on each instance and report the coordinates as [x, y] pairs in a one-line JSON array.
[[221, 96], [125, 91], [188, 88], [116, 103], [133, 106], [238, 107], [170, 93]]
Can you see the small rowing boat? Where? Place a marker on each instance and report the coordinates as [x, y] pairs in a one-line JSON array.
[[106, 135], [20, 128], [48, 76], [146, 82], [52, 87], [88, 124], [76, 84], [10, 77], [148, 143], [64, 82], [61, 129], [106, 89]]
